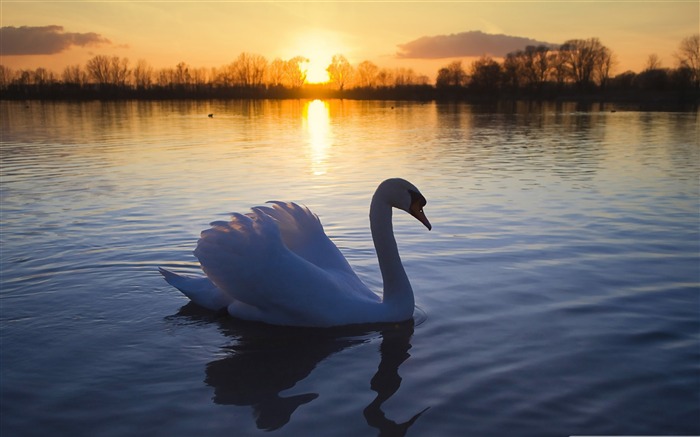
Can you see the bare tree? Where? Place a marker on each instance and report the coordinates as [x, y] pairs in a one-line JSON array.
[[367, 74], [119, 71], [74, 75], [225, 76], [340, 71], [295, 71], [23, 78], [43, 77], [181, 75], [689, 56], [98, 69], [513, 69], [6, 74], [405, 76], [108, 71], [558, 68], [249, 70], [421, 79], [604, 65], [583, 57], [653, 62], [385, 78], [200, 76], [536, 65], [276, 72], [143, 74], [164, 77], [530, 67]]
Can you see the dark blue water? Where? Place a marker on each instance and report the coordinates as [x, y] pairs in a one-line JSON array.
[[559, 290]]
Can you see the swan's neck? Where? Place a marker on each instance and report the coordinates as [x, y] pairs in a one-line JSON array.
[[397, 289]]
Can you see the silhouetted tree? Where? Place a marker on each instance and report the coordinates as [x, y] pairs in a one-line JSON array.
[[6, 74], [406, 77], [586, 63], [558, 67], [604, 66], [623, 81], [74, 75], [98, 69], [683, 79], [340, 72], [367, 74], [42, 78], [200, 77], [453, 75], [104, 70], [249, 70], [530, 68], [119, 71], [164, 77], [653, 62], [276, 72], [181, 75], [689, 56], [536, 65], [652, 80], [513, 70], [296, 72], [143, 75], [583, 58], [385, 78], [485, 74]]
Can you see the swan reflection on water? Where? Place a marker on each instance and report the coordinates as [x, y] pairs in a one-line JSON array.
[[266, 360]]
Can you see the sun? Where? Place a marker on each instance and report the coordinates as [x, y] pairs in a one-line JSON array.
[[316, 70], [318, 46]]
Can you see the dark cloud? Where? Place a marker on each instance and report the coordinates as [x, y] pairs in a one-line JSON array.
[[472, 43], [44, 40]]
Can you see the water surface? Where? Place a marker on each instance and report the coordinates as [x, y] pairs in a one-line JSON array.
[[559, 290]]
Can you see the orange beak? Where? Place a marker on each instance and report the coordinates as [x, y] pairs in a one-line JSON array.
[[416, 210]]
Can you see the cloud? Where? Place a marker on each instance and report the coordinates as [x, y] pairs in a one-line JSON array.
[[44, 40], [474, 43]]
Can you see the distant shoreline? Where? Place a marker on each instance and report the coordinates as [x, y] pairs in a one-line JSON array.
[[671, 100]]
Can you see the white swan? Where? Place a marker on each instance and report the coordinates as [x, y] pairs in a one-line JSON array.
[[276, 265]]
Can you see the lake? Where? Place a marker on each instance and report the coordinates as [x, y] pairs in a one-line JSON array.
[[558, 293]]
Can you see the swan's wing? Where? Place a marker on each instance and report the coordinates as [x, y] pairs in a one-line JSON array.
[[248, 260], [302, 232]]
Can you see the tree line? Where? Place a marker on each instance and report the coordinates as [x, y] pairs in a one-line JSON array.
[[578, 68]]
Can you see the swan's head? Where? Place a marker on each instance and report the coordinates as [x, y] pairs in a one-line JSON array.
[[403, 195]]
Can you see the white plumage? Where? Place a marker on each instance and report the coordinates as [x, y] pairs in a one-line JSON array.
[[276, 265]]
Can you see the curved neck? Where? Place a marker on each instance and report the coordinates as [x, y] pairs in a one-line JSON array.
[[397, 288]]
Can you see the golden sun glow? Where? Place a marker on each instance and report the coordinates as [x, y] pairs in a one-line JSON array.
[[316, 70], [318, 46]]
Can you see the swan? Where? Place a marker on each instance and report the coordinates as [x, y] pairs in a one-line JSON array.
[[276, 265]]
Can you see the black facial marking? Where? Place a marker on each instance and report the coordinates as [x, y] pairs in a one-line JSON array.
[[417, 198]]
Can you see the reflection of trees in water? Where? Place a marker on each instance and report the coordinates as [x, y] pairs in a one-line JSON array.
[[266, 360], [516, 139]]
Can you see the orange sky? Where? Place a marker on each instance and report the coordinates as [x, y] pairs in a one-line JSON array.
[[213, 33]]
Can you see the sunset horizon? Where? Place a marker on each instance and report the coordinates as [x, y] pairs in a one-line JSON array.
[[417, 36]]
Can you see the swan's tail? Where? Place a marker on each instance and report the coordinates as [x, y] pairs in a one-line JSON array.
[[198, 289]]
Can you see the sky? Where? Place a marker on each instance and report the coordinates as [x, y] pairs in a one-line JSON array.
[[421, 35]]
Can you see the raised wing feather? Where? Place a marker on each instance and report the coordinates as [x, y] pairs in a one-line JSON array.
[[302, 233], [276, 259]]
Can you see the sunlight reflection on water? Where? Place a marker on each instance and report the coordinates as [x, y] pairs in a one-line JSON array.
[[317, 124]]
